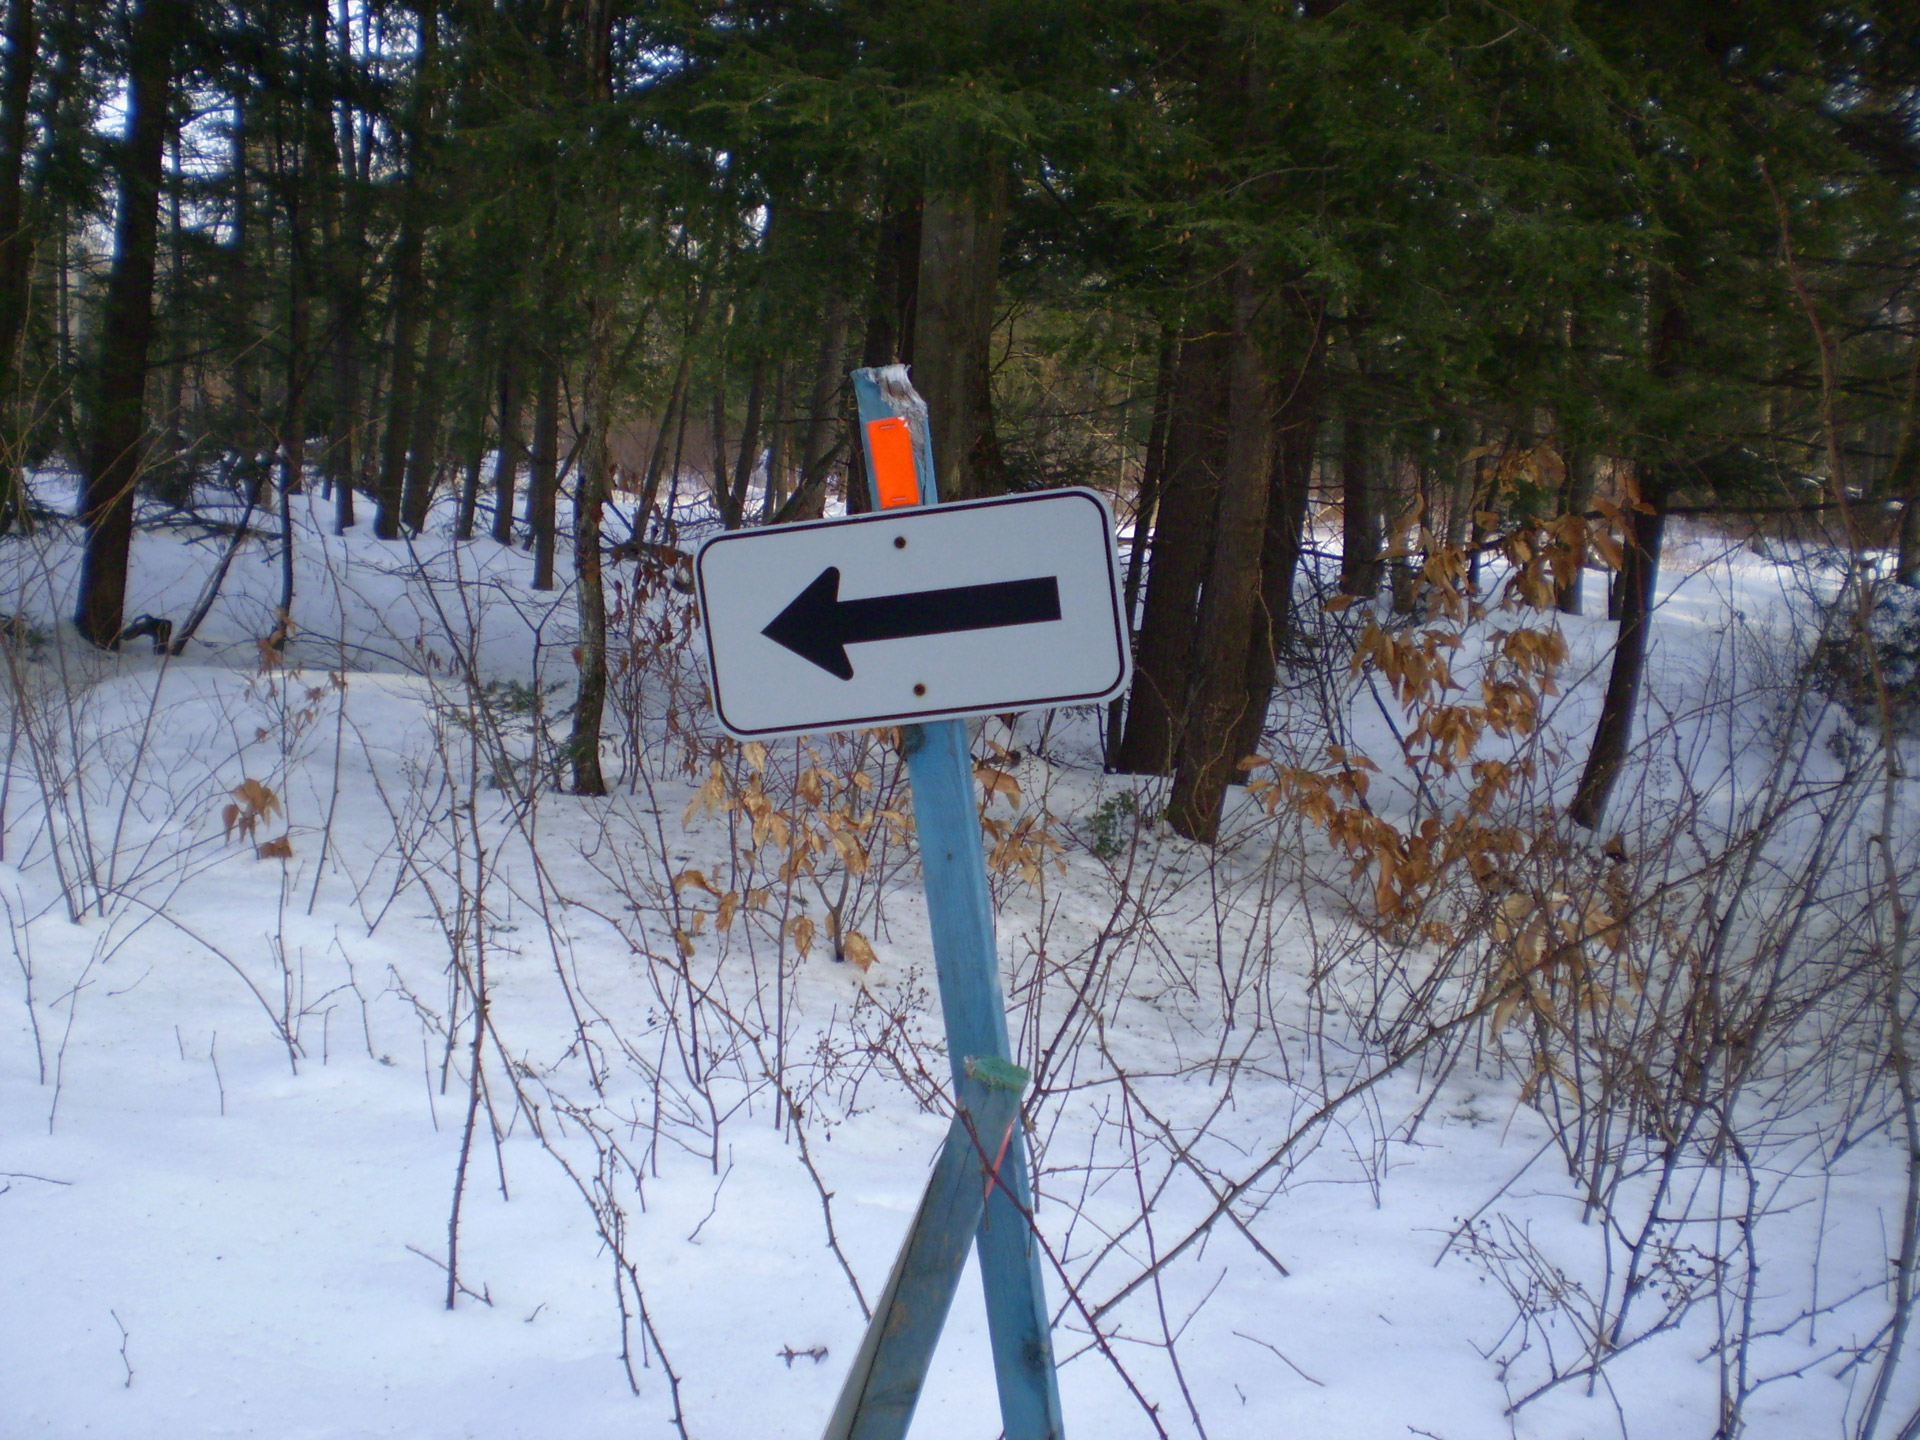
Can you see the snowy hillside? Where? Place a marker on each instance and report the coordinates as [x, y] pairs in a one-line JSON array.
[[312, 955]]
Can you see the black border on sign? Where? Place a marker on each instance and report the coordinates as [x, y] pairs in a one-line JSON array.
[[911, 717]]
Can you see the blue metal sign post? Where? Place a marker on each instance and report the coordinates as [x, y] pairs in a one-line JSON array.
[[883, 1385], [952, 857]]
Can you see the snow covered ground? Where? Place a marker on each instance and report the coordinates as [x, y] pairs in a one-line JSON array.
[[235, 1092]]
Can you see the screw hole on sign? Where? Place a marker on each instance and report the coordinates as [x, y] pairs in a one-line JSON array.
[[919, 689], [890, 444], [899, 542]]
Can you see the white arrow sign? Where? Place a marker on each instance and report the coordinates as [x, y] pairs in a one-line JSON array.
[[914, 614]]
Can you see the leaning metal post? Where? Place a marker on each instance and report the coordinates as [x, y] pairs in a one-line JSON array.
[[960, 908]]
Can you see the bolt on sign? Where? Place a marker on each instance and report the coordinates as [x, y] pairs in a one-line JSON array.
[[914, 613], [918, 615]]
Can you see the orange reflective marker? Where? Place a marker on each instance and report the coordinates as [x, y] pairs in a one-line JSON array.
[[890, 443]]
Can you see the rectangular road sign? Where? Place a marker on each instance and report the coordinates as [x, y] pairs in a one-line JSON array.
[[917, 614]]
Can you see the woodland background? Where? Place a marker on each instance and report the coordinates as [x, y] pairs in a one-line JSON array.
[[1446, 265], [1512, 412]]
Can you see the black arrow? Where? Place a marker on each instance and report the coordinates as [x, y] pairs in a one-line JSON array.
[[819, 625]]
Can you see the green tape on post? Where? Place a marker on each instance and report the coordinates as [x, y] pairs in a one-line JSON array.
[[960, 908], [878, 1397]]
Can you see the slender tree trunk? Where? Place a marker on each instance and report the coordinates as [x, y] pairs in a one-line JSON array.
[[408, 294], [66, 71], [1360, 513], [1207, 754], [1153, 468], [174, 451], [1640, 569], [346, 234], [1582, 472], [809, 498], [673, 420], [1460, 488], [891, 323], [543, 483], [1907, 567], [1903, 477], [591, 486], [717, 486], [343, 317], [1296, 433], [119, 411], [1182, 551], [16, 243], [593, 483], [960, 231], [662, 448], [474, 435], [423, 449], [507, 465], [343, 445], [779, 431], [893, 298], [986, 464], [255, 458], [374, 389], [293, 422], [1146, 501], [667, 529], [63, 326], [388, 492], [733, 513]]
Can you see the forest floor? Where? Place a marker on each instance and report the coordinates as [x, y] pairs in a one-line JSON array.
[[235, 1091]]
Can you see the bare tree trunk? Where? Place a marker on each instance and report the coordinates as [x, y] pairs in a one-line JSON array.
[[1903, 477], [1295, 436], [1207, 753], [346, 234], [892, 309], [1461, 481], [779, 433], [1182, 554], [343, 428], [594, 482], [1907, 570], [1145, 502], [1582, 471], [717, 486], [388, 493], [423, 449], [66, 69], [662, 445], [408, 288], [1359, 504], [1640, 569], [673, 420], [175, 451], [293, 422], [343, 444], [809, 498], [591, 486], [474, 434], [16, 243], [114, 457], [507, 466], [543, 480], [254, 461], [733, 511], [960, 232], [893, 298]]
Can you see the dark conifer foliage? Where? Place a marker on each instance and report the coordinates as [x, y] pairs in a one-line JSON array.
[[1283, 280]]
